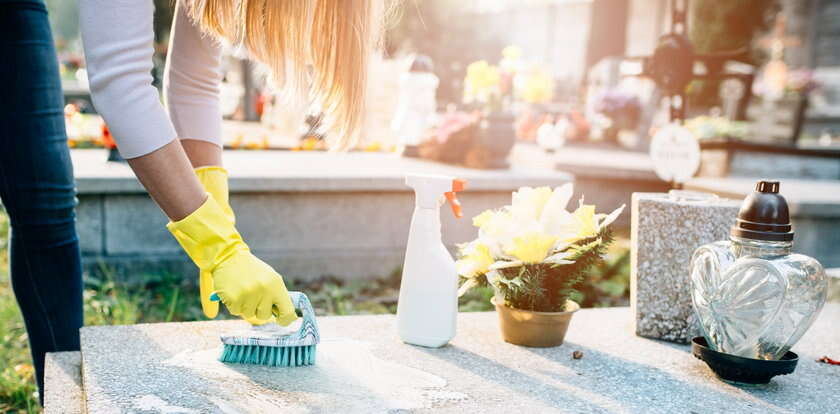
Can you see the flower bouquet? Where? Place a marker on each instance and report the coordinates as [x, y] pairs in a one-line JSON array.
[[534, 253]]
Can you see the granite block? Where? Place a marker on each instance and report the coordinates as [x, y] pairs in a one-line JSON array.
[[89, 214], [755, 164], [63, 379], [133, 224], [362, 367], [279, 222], [664, 234]]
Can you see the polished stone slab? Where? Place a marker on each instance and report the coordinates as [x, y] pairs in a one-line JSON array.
[[363, 367]]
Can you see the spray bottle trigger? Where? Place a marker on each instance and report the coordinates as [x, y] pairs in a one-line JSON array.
[[451, 196], [454, 203]]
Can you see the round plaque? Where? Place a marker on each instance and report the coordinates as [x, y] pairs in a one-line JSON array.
[[675, 153]]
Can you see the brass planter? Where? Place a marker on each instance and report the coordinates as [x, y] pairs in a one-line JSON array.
[[534, 329]]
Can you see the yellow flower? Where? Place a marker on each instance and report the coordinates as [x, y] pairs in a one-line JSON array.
[[24, 370], [476, 261], [481, 82], [532, 247], [374, 146], [309, 144], [512, 52], [537, 87], [585, 218], [483, 218]]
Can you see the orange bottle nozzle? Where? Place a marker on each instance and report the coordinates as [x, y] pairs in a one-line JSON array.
[[451, 196], [458, 184]]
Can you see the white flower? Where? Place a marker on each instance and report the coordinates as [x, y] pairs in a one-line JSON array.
[[606, 220], [527, 203], [554, 218]]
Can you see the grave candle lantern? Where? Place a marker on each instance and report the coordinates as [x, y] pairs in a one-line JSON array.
[[755, 299]]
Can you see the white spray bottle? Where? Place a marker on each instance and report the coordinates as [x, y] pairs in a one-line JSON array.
[[428, 303]]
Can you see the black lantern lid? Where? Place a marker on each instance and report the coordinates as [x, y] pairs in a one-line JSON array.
[[764, 215]]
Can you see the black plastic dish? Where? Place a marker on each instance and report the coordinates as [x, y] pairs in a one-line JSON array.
[[739, 369]]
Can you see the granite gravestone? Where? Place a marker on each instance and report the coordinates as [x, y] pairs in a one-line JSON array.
[[666, 229]]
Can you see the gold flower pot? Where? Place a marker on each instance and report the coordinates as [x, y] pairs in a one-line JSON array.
[[534, 329]]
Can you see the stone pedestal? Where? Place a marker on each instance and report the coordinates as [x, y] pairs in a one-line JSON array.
[[309, 214], [363, 367], [665, 232]]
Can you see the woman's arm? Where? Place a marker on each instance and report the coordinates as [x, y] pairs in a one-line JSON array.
[[169, 178], [191, 89], [118, 39]]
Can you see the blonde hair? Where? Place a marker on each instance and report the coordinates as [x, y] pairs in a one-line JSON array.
[[335, 37]]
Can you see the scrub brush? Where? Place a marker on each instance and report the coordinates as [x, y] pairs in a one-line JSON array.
[[273, 346]]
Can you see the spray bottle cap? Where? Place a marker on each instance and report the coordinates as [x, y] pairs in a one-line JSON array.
[[429, 188]]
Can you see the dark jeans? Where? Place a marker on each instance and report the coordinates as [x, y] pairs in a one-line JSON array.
[[36, 183]]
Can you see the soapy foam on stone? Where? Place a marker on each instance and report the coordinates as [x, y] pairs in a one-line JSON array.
[[347, 377], [155, 404]]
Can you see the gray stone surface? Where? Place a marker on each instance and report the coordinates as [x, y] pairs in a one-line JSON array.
[[664, 234], [755, 164], [814, 207], [89, 224], [265, 171], [133, 224], [807, 198], [363, 367], [63, 378], [606, 163], [833, 284], [309, 214]]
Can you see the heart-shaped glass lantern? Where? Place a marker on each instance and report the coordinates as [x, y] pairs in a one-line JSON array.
[[752, 296]]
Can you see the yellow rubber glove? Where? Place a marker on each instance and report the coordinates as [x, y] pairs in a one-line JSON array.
[[214, 179], [247, 286]]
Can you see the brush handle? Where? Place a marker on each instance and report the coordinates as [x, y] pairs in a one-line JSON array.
[[301, 302]]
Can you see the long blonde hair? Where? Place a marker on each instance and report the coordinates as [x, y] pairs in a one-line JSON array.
[[335, 37]]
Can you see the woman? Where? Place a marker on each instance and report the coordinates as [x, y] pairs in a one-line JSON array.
[[36, 183], [177, 156]]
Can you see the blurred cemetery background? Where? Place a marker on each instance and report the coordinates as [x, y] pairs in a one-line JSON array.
[[537, 92]]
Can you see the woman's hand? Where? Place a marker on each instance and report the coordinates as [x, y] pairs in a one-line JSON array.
[[250, 288], [246, 285]]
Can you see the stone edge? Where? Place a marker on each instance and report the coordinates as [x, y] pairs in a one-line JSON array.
[[476, 182], [63, 390]]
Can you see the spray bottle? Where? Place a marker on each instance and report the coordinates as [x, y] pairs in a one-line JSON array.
[[428, 301]]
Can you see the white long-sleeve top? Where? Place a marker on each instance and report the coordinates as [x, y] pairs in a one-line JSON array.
[[118, 41]]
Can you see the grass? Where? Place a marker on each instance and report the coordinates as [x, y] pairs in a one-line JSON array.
[[18, 392], [166, 297]]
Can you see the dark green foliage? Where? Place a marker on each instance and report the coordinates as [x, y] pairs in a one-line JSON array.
[[545, 287], [719, 26], [607, 283], [728, 25]]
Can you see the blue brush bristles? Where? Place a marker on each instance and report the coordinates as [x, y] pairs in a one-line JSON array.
[[272, 356], [271, 346]]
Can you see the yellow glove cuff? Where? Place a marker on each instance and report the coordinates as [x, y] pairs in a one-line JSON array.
[[207, 235], [214, 179]]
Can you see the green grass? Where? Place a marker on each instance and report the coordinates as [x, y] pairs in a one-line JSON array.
[[165, 297], [18, 392]]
